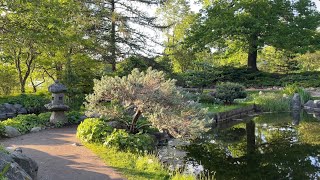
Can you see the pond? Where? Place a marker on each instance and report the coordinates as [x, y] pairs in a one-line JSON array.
[[268, 146]]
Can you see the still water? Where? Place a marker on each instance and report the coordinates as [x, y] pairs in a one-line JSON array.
[[268, 146]]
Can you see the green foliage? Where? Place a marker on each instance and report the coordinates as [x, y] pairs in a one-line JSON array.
[[202, 76], [159, 100], [93, 130], [272, 102], [44, 118], [4, 171], [228, 92], [132, 166], [256, 24], [126, 66], [8, 79], [122, 140], [32, 102], [259, 79], [294, 88], [24, 123], [2, 129], [74, 117]]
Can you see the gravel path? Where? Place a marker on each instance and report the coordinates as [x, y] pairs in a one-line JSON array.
[[59, 158]]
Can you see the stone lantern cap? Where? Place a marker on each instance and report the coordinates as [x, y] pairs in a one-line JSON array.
[[57, 87]]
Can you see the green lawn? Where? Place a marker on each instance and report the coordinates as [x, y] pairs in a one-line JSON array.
[[134, 166]]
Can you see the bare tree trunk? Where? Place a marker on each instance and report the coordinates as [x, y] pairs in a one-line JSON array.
[[134, 121], [113, 38], [253, 54]]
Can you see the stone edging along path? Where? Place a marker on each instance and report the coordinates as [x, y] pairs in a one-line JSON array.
[[60, 156]]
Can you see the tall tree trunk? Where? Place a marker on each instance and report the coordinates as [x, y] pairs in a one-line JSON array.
[[253, 53], [113, 37], [134, 121]]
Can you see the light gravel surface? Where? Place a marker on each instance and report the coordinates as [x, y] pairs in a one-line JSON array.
[[60, 156]]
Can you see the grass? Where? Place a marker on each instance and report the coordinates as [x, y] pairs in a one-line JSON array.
[[135, 166], [272, 102], [216, 108]]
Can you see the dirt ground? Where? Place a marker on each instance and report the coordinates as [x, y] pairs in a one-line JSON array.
[[59, 158]]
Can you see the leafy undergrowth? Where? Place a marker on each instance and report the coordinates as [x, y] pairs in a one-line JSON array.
[[216, 108], [134, 166]]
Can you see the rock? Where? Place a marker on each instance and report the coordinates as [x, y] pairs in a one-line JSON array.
[[9, 108], [22, 111], [3, 116], [76, 144], [309, 105], [35, 129], [317, 103], [19, 150], [26, 163], [82, 118], [17, 106], [316, 110], [11, 115], [296, 102], [117, 125], [160, 138], [14, 170], [11, 132]]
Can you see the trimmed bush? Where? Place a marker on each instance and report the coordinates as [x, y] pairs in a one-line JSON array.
[[74, 117], [32, 102], [93, 130], [124, 141], [228, 92]]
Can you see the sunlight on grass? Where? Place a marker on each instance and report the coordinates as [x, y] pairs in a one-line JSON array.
[[215, 108], [134, 166]]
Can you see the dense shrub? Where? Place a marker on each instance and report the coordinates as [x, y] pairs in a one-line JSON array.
[[8, 79], [273, 102], [74, 117], [228, 92], [148, 94], [122, 140], [93, 130], [24, 123], [32, 102], [255, 79]]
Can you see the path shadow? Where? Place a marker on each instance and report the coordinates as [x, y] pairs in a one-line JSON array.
[[45, 137]]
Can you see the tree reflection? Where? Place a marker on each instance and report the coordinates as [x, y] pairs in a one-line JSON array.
[[264, 151]]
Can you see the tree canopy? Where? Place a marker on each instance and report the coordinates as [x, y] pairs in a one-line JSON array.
[[285, 24]]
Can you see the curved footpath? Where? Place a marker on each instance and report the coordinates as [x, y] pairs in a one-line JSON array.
[[59, 158]]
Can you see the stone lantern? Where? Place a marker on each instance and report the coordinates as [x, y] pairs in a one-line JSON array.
[[57, 106]]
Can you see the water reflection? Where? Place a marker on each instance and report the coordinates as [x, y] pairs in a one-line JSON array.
[[270, 146]]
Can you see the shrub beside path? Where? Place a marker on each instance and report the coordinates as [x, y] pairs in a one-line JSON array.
[[61, 157]]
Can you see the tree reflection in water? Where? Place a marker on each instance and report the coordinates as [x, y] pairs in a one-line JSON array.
[[271, 146]]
